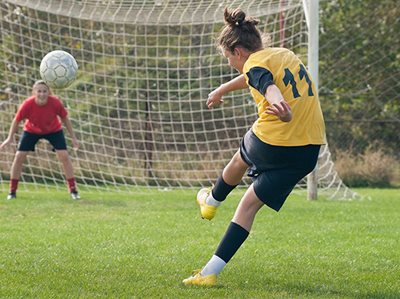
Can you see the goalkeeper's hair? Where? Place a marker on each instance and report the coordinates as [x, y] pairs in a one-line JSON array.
[[241, 31], [41, 82]]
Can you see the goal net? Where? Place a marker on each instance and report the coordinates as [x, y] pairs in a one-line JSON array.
[[138, 105]]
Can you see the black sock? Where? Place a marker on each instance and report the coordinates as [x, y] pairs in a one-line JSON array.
[[221, 189], [234, 237]]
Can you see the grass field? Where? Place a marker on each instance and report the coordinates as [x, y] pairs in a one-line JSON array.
[[116, 245]]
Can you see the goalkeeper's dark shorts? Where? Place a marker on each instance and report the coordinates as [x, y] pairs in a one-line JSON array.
[[28, 141], [275, 170]]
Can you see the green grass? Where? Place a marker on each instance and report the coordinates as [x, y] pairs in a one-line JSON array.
[[116, 245]]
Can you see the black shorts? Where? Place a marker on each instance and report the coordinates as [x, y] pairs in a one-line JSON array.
[[29, 140], [276, 170]]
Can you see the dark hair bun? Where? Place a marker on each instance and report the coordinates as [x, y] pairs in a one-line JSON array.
[[234, 17], [237, 17]]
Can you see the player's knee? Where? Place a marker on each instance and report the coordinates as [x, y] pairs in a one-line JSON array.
[[63, 156], [250, 204], [20, 156]]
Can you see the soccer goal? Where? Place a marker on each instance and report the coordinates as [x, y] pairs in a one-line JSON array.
[[145, 70]]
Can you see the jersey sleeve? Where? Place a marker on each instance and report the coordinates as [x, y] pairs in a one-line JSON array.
[[61, 111], [21, 112], [260, 78]]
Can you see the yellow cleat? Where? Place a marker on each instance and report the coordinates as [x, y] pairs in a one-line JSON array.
[[198, 280], [207, 211]]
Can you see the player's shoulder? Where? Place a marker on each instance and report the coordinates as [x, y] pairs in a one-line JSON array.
[[54, 100], [268, 57], [271, 51], [281, 55], [28, 101]]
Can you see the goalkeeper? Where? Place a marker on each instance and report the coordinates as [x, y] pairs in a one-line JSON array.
[[281, 147], [42, 113]]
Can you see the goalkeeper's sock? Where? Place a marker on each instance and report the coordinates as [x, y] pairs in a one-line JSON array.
[[13, 185], [71, 184]]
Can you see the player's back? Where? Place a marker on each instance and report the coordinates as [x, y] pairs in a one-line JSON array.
[[289, 74]]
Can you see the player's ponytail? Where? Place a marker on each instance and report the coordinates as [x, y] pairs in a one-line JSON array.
[[239, 31], [235, 17]]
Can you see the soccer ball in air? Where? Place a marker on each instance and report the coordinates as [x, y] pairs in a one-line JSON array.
[[58, 69]]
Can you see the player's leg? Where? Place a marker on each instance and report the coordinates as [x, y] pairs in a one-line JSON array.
[[63, 157], [57, 140], [65, 160], [270, 187], [16, 170], [277, 170], [231, 176], [247, 209], [235, 235], [26, 144]]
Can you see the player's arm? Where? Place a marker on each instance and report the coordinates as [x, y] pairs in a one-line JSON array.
[[262, 79], [215, 97], [278, 105], [68, 125], [11, 133]]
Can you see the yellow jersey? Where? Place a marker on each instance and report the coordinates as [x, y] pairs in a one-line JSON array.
[[283, 68]]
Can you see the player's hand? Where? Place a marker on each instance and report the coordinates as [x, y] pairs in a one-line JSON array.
[[5, 143], [281, 110], [75, 144], [214, 99]]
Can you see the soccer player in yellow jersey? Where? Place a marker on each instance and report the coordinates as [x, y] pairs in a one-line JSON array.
[[281, 147]]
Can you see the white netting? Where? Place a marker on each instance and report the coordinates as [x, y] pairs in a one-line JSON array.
[[145, 70]]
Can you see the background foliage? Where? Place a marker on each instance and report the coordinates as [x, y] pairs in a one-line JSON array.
[[359, 88], [360, 66]]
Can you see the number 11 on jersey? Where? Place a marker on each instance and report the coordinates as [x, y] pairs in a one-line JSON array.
[[289, 79]]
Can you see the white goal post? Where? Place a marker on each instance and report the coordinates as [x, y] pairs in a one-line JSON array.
[[145, 70], [311, 11]]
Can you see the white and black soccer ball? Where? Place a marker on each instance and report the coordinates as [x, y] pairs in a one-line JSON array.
[[58, 69]]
